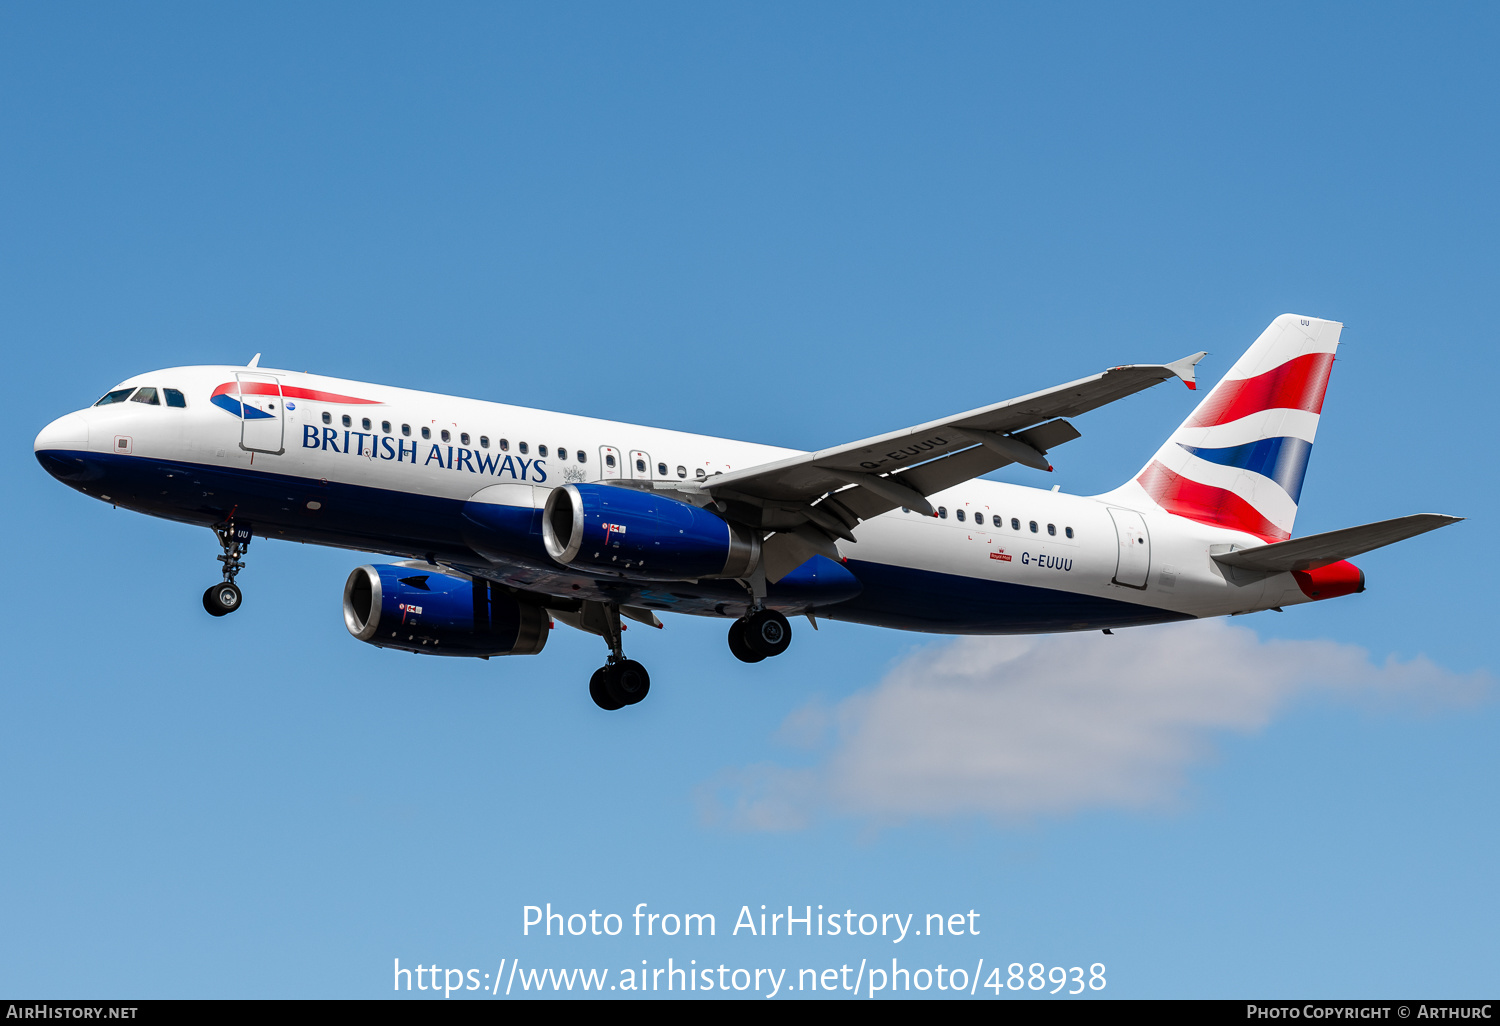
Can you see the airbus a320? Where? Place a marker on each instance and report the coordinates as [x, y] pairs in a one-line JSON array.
[[504, 521]]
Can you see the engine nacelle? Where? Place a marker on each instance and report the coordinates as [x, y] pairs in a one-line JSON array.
[[418, 609], [643, 536]]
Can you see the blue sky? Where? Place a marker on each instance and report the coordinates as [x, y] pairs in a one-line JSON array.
[[799, 225]]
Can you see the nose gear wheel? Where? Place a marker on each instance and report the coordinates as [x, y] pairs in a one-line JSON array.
[[222, 599]]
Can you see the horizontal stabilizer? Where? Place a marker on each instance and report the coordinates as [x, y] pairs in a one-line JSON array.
[[1318, 550]]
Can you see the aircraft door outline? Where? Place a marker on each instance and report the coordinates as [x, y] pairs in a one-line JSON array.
[[1134, 567], [609, 463], [262, 414]]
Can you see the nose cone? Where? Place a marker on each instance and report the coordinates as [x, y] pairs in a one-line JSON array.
[[64, 433], [59, 448]]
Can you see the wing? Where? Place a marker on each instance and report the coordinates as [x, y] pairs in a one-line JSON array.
[[809, 501]]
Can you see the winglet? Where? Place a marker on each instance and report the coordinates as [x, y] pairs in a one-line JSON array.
[[254, 361], [1184, 369]]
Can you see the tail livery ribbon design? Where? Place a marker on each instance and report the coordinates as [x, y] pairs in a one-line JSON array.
[[1239, 460]]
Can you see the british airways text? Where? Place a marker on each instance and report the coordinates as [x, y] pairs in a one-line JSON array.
[[384, 447]]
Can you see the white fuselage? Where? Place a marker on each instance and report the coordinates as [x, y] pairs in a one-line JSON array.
[[988, 532]]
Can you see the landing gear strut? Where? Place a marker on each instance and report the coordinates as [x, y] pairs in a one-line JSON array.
[[758, 635], [224, 598], [620, 681]]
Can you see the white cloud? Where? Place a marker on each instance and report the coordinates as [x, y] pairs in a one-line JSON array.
[[1012, 728]]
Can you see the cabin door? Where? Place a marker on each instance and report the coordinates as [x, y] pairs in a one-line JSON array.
[[1135, 548], [261, 413]]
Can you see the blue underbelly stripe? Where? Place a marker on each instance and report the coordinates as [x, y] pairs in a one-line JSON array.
[[404, 523]]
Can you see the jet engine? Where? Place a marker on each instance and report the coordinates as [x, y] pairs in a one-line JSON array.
[[417, 608], [643, 536]]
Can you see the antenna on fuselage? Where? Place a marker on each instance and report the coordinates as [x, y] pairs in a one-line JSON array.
[[254, 361]]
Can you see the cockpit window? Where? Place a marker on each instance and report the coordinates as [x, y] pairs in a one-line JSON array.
[[119, 395], [175, 398], [147, 396]]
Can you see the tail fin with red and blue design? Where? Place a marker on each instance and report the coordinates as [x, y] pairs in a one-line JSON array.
[[1238, 461]]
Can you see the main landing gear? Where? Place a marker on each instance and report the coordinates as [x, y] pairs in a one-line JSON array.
[[758, 635], [224, 598], [620, 681]]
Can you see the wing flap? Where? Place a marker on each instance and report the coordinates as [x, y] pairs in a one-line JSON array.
[[876, 497], [1318, 550]]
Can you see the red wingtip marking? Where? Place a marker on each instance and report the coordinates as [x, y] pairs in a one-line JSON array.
[[1192, 385]]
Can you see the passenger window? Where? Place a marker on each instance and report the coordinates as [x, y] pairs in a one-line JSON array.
[[119, 395], [1015, 524], [979, 519], [505, 445], [640, 466], [524, 448], [1033, 527], [959, 514], [463, 439], [446, 436], [405, 428], [365, 423], [942, 512], [175, 398], [147, 396], [385, 426], [1052, 529], [583, 457], [609, 460], [699, 474], [327, 417], [682, 471], [484, 441], [427, 432], [348, 421], [541, 450], [562, 454], [661, 470], [1068, 531]]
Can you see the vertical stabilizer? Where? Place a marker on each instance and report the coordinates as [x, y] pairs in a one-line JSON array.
[[1238, 461]]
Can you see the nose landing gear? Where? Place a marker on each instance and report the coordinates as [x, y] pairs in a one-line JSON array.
[[225, 597]]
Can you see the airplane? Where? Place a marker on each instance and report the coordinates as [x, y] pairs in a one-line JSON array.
[[504, 521]]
